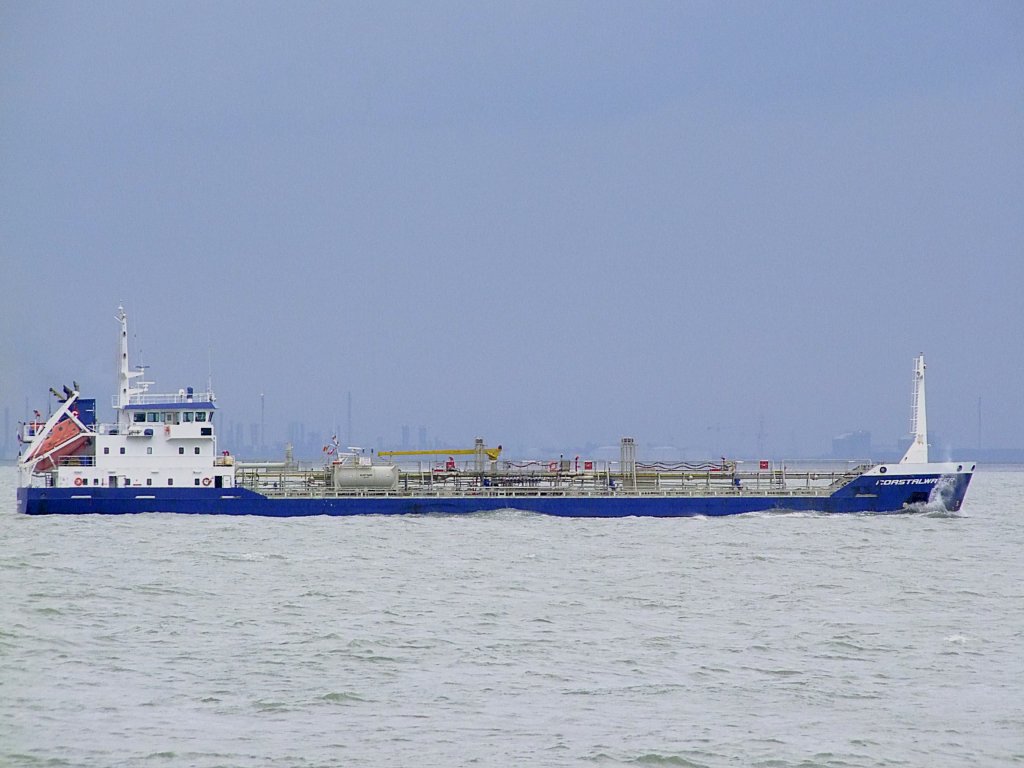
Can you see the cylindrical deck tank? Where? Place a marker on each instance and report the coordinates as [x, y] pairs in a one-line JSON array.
[[379, 477]]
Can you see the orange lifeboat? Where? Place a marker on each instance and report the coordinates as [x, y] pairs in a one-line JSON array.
[[63, 438]]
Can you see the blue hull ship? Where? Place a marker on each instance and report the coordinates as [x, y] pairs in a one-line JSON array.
[[160, 455]]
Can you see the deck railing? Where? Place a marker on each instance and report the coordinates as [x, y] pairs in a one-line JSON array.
[[77, 461], [283, 481], [174, 398]]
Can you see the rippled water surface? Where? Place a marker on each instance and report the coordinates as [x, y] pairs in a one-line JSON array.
[[514, 639]]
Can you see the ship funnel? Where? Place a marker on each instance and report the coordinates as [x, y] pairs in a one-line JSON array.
[[917, 453]]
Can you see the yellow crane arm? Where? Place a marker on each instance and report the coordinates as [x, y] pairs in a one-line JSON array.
[[492, 453]]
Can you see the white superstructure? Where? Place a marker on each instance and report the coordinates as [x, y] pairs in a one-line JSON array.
[[157, 440]]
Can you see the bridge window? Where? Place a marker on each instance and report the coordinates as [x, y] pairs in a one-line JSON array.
[[186, 417], [138, 417], [200, 415], [152, 417]]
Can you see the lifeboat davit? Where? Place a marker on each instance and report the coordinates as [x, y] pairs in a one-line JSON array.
[[65, 439]]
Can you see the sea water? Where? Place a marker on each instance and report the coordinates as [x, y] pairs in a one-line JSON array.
[[510, 638]]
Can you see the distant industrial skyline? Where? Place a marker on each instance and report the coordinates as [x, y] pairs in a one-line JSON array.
[[309, 442]]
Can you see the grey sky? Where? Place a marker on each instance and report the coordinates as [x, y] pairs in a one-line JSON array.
[[545, 223]]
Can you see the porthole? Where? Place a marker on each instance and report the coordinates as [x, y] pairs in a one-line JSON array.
[[882, 470]]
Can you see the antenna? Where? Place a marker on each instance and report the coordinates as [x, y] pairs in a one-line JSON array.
[[125, 374]]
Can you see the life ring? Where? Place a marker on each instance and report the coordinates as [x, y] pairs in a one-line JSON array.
[[207, 481], [79, 481]]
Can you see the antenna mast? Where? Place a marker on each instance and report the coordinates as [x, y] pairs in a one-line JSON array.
[[125, 390]]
